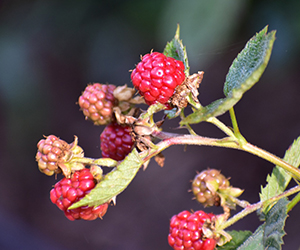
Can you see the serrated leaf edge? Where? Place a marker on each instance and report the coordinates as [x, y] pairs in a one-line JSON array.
[[236, 94], [115, 181], [280, 175]]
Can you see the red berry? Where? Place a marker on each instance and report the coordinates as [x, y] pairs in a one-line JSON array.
[[50, 151], [70, 190], [157, 76], [186, 231], [116, 142], [97, 102]]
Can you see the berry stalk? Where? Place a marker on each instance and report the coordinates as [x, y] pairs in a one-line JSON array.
[[235, 125], [221, 126], [169, 139], [106, 162], [293, 202], [252, 208], [245, 146], [271, 158]]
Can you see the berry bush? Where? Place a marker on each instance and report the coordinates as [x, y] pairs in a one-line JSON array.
[[133, 136]]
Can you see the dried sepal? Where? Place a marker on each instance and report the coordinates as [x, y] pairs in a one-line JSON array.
[[97, 172], [160, 159], [123, 93], [189, 88]]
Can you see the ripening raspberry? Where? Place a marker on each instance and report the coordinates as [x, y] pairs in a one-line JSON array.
[[50, 151], [115, 141], [97, 102], [186, 231], [70, 190], [206, 184], [55, 155], [156, 77]]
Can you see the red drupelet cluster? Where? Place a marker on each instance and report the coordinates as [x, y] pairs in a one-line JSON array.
[[116, 142], [186, 231], [70, 190], [157, 76], [97, 102]]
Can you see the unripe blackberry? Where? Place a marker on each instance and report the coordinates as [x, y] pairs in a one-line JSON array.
[[188, 231], [156, 77], [206, 185], [115, 141], [54, 156], [70, 190], [50, 151], [97, 102]]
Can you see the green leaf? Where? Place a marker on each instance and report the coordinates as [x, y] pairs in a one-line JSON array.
[[275, 221], [171, 114], [280, 178], [176, 50], [114, 182], [269, 235], [249, 65], [244, 72], [238, 237], [255, 241]]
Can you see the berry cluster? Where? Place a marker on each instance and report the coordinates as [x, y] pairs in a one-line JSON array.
[[50, 151], [97, 102], [156, 77], [187, 231], [116, 142], [70, 190], [206, 184]]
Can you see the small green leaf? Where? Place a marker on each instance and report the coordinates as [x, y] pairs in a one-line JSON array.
[[171, 113], [244, 72], [280, 178], [249, 65], [269, 235], [114, 182], [176, 50], [238, 237], [255, 241], [275, 221]]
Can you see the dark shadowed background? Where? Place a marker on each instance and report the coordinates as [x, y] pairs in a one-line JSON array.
[[49, 52]]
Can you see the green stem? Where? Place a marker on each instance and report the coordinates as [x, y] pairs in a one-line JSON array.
[[236, 129], [188, 126], [248, 210], [251, 208], [240, 203], [152, 110], [245, 146], [234, 121], [107, 162], [271, 158], [287, 193], [169, 139], [293, 202], [221, 126]]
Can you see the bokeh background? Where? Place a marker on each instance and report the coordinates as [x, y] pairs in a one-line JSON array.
[[49, 52]]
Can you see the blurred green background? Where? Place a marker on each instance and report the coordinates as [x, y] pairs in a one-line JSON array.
[[49, 52]]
